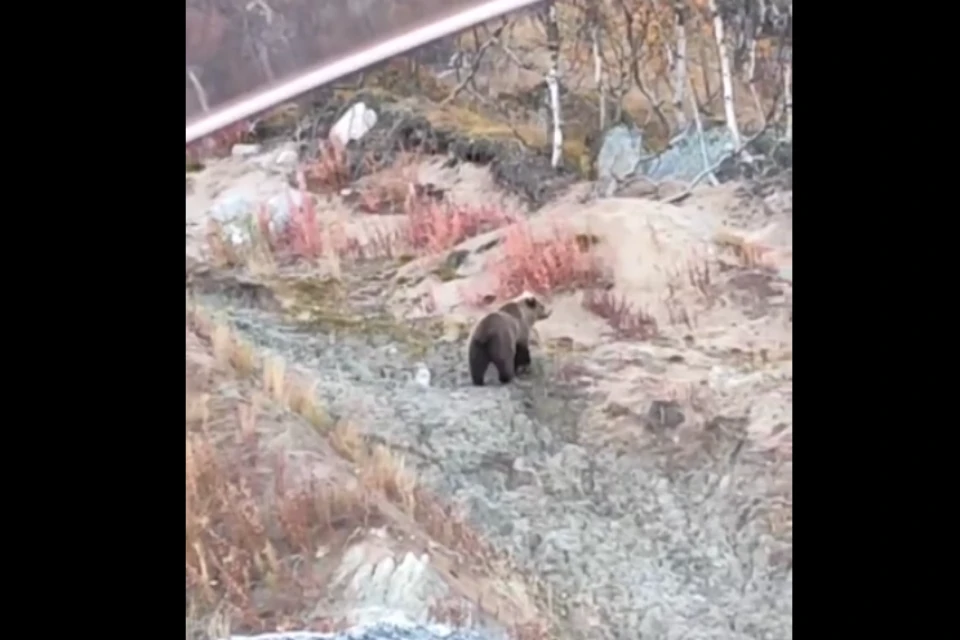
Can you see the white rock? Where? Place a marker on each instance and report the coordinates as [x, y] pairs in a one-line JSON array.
[[236, 208], [422, 376], [245, 150], [287, 158], [354, 124]]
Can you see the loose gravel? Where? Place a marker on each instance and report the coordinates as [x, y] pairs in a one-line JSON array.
[[634, 544]]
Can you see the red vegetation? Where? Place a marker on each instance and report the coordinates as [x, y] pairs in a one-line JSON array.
[[555, 262]]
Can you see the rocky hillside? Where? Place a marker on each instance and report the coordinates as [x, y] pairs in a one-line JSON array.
[[343, 473]]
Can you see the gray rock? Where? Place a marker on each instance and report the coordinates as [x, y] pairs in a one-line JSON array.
[[623, 151], [622, 147], [236, 209]]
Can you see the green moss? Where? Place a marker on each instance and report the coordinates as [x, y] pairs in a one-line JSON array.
[[315, 290], [406, 259], [321, 304], [194, 166]]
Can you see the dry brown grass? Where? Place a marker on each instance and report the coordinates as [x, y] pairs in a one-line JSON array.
[[626, 320], [248, 530], [253, 523]]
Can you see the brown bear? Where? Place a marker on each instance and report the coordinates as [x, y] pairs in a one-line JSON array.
[[503, 338]]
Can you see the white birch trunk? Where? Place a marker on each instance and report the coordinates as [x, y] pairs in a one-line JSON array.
[[726, 77], [752, 80], [788, 99], [201, 94], [679, 61], [598, 74], [553, 83]]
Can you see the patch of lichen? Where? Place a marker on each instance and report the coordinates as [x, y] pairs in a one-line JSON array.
[[323, 305], [311, 291], [563, 346]]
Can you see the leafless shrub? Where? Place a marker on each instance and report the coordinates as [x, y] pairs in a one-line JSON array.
[[621, 315]]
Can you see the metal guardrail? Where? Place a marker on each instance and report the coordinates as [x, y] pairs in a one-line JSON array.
[[328, 71]]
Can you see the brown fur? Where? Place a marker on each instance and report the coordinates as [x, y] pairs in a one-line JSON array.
[[503, 338]]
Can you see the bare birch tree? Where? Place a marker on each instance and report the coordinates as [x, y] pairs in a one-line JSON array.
[[553, 83], [788, 99], [678, 60], [198, 89], [788, 78], [726, 77], [596, 50]]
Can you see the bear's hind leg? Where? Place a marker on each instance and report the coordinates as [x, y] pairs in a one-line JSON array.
[[479, 361], [505, 367], [521, 360]]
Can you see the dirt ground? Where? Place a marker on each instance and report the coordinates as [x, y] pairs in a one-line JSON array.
[[637, 482]]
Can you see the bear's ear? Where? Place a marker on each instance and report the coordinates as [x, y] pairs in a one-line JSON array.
[[531, 302]]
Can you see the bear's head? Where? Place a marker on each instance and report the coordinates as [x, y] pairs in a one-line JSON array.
[[533, 305]]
